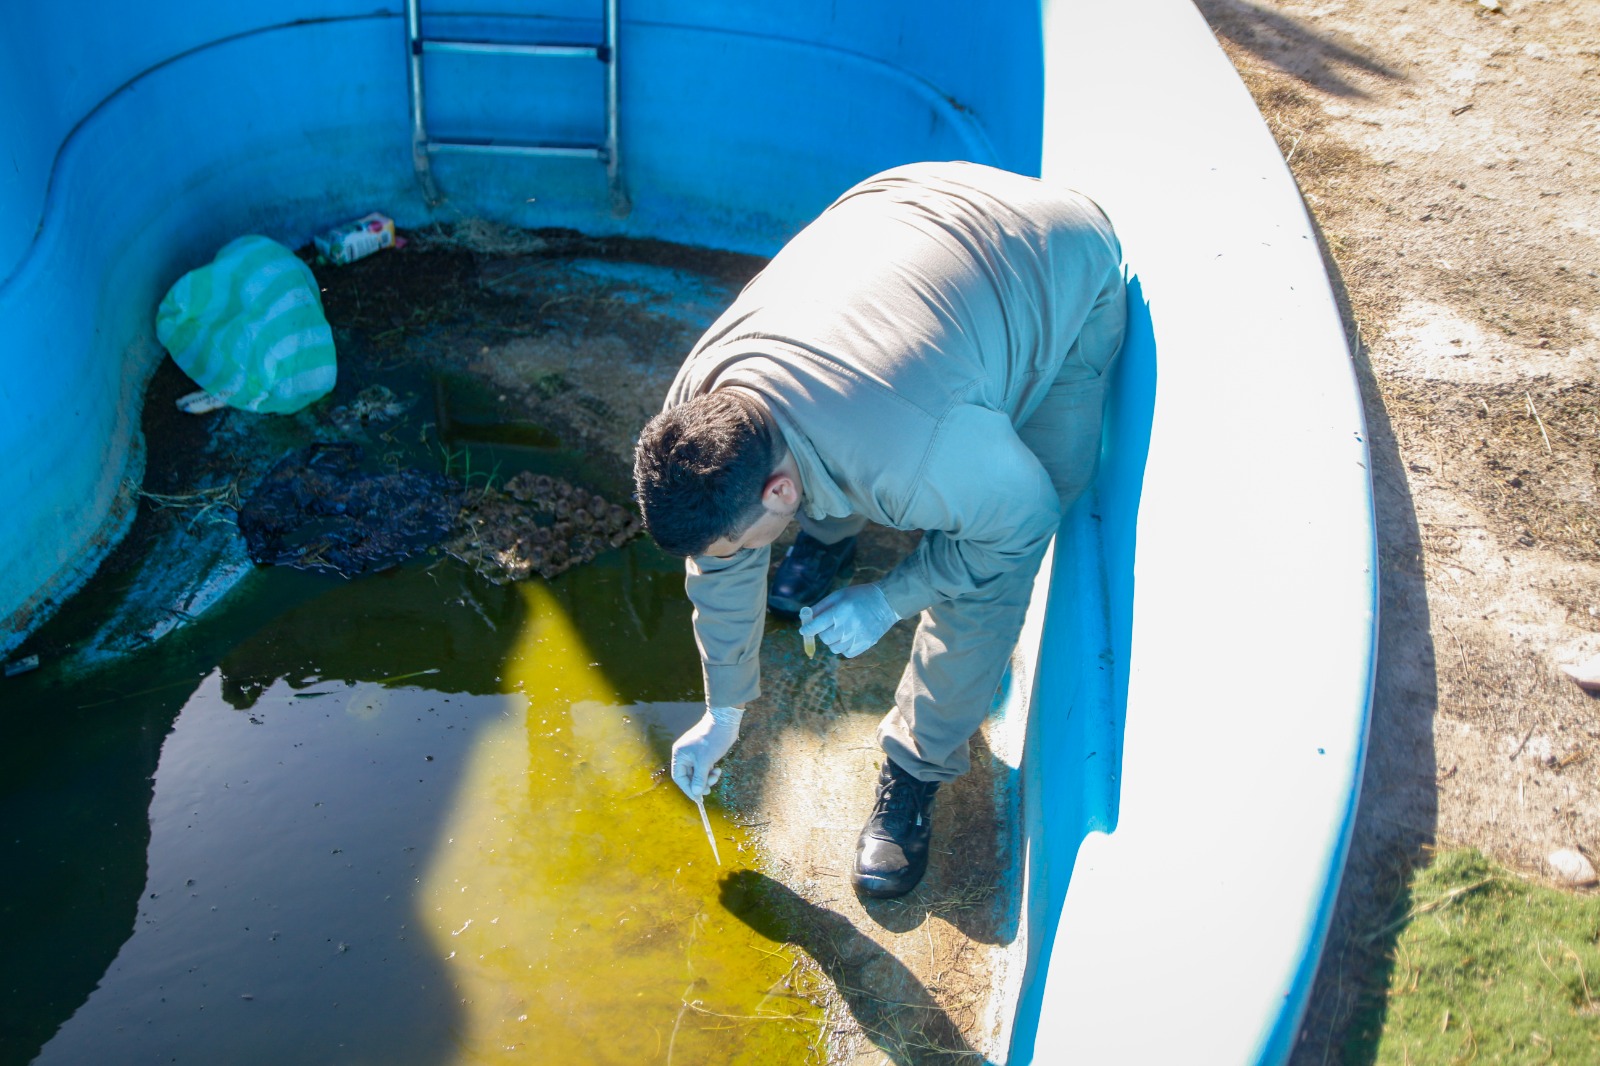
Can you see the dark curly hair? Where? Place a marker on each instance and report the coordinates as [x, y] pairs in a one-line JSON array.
[[700, 468]]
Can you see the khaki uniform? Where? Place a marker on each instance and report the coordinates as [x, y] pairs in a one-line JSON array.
[[935, 348]]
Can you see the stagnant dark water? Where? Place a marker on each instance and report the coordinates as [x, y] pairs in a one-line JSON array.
[[410, 818], [414, 817]]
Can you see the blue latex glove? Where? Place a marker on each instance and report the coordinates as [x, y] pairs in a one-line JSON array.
[[851, 620], [695, 754]]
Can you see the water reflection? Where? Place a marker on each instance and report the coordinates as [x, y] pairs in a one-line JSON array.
[[349, 871], [276, 923]]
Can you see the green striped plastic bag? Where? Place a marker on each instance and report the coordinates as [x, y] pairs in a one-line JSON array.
[[249, 328]]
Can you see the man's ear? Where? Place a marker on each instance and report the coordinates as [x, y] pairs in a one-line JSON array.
[[780, 492]]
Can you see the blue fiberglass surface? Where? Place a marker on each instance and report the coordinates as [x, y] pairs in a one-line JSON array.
[[1072, 775]]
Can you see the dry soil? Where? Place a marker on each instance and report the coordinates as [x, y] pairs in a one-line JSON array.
[[1448, 152]]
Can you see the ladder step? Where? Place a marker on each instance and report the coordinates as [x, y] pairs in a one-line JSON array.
[[423, 147], [568, 151], [495, 48]]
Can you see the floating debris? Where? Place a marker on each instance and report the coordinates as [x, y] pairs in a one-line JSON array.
[[320, 508], [538, 525], [375, 403]]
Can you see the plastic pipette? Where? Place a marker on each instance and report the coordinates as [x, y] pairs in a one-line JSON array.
[[701, 803]]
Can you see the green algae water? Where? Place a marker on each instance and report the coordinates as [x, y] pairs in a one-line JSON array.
[[410, 818]]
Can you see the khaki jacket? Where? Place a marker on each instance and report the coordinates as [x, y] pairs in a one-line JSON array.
[[899, 340]]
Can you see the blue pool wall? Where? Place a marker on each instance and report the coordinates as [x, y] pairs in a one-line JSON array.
[[1072, 774], [142, 138]]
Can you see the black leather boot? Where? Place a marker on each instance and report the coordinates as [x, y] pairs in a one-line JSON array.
[[807, 572], [892, 851]]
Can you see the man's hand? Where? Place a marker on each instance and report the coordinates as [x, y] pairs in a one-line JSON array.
[[697, 752], [851, 620]]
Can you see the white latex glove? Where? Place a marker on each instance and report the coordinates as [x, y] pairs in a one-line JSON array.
[[695, 754], [851, 620]]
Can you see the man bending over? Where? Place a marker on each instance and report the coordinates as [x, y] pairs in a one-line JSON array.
[[931, 353]]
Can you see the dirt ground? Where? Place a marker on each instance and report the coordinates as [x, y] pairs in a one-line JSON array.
[[1448, 151]]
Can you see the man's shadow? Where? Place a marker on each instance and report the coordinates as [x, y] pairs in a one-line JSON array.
[[894, 1009]]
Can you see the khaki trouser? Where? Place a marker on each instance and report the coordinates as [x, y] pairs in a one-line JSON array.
[[962, 646]]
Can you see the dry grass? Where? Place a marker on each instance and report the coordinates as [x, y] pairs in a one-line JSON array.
[[1527, 454], [220, 503], [479, 235]]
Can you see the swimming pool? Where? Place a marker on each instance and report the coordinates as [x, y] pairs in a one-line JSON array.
[[1183, 787]]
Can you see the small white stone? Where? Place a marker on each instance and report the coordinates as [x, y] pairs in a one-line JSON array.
[[1572, 866], [1586, 674]]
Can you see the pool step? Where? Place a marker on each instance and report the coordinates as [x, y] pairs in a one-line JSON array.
[[423, 147]]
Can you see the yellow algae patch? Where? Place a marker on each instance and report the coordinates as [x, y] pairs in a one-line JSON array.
[[572, 896]]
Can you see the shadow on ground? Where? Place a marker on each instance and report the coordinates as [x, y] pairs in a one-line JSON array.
[[911, 1028], [1398, 811], [1292, 47]]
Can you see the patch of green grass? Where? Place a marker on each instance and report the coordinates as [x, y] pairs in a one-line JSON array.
[[1488, 968]]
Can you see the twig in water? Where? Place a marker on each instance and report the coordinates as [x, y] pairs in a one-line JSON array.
[[700, 1008], [684, 999], [404, 677], [203, 501], [131, 695]]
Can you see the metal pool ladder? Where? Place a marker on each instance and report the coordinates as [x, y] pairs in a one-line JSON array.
[[423, 148]]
